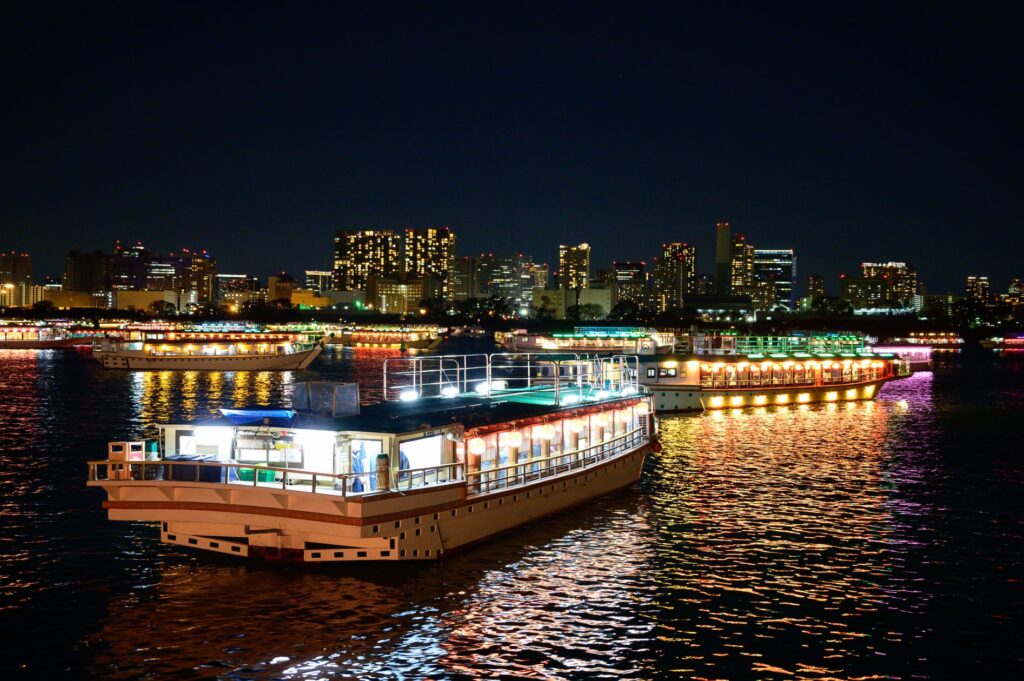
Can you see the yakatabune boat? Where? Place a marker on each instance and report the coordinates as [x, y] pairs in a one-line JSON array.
[[34, 337], [695, 383], [210, 351], [456, 453]]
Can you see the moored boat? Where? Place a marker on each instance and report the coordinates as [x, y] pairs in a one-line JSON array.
[[697, 383], [206, 351], [34, 337], [455, 454], [395, 337]]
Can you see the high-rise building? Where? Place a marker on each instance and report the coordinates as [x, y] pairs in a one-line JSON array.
[[541, 273], [675, 275], [162, 274], [361, 254], [196, 273], [574, 266], [631, 282], [1015, 291], [977, 288], [865, 292], [319, 280], [225, 284], [723, 258], [127, 267], [505, 276], [741, 267], [900, 279], [430, 251], [778, 266], [815, 286], [465, 285], [86, 272], [16, 279]]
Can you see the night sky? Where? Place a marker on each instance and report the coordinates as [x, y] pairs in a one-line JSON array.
[[257, 129]]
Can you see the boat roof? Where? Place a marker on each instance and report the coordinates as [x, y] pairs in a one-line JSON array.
[[396, 417], [767, 356]]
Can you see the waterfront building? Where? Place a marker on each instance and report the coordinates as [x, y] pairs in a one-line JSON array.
[[977, 288], [319, 280], [815, 286], [307, 299], [900, 282], [506, 276], [430, 251], [162, 275], [401, 295], [631, 282], [559, 302], [465, 284], [127, 267], [864, 292], [741, 267], [224, 283], [16, 280], [723, 258], [574, 266], [775, 266], [196, 273], [361, 254], [1015, 291], [714, 308], [280, 287], [86, 272], [675, 275], [146, 301], [540, 273]]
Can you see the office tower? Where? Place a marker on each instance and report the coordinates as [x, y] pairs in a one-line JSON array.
[[675, 275], [86, 272], [364, 253], [126, 268], [196, 271], [574, 266], [900, 279], [465, 285], [1015, 291], [16, 279], [778, 266], [723, 258], [630, 280], [977, 288], [865, 292], [541, 273], [319, 280], [815, 286], [430, 251], [741, 267], [505, 276]]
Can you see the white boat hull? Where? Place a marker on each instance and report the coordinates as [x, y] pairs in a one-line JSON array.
[[131, 359]]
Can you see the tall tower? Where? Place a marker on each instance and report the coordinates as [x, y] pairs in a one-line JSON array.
[[574, 266], [675, 274], [723, 258], [741, 267], [361, 254], [430, 251]]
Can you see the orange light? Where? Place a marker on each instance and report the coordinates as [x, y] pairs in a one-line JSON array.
[[477, 446], [514, 439]]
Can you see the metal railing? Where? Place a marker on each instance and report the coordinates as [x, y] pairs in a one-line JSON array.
[[405, 479], [495, 374], [523, 472]]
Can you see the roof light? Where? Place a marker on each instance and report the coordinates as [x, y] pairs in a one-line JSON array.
[[408, 395], [449, 391]]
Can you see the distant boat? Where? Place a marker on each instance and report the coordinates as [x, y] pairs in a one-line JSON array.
[[34, 338], [202, 351]]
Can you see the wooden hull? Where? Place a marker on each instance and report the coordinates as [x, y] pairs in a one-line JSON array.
[[127, 359], [421, 524], [684, 398]]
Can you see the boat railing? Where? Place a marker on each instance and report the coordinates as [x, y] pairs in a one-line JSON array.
[[415, 478], [562, 374], [524, 472]]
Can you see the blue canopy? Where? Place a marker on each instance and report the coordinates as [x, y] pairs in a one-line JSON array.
[[275, 417]]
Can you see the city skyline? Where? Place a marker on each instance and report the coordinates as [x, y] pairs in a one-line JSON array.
[[582, 127]]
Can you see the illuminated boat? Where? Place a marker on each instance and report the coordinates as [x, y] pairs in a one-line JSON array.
[[696, 383], [1011, 342], [412, 337], [938, 341], [210, 351], [34, 337], [917, 356], [591, 339], [452, 456]]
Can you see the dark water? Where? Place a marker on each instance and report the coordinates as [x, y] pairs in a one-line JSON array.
[[863, 541]]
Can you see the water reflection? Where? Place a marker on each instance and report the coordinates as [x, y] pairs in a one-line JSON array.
[[571, 595]]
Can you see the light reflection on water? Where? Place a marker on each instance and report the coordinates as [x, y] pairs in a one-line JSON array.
[[803, 542]]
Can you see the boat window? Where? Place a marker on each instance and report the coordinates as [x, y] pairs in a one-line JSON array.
[[184, 442], [364, 460], [423, 452], [667, 373], [652, 372]]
